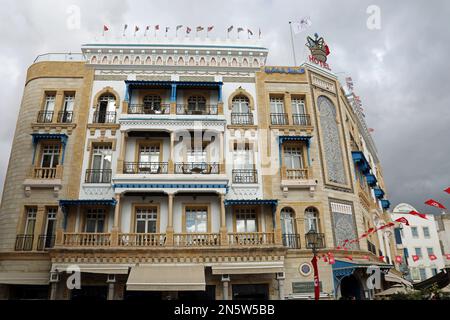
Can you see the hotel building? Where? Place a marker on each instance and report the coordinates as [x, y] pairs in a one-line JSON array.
[[188, 170]]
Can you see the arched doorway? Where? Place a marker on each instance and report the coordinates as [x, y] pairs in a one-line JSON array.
[[351, 288]]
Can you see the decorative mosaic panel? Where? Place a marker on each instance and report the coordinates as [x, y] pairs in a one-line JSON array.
[[331, 141], [343, 224]]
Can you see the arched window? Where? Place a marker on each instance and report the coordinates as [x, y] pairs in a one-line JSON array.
[[255, 62], [148, 60], [105, 60], [213, 62], [234, 62], [202, 61], [191, 62], [106, 109], [169, 61], [159, 61], [137, 60], [126, 60], [311, 220], [116, 60], [180, 61], [152, 104], [197, 105], [224, 62], [245, 62], [241, 104], [94, 60]]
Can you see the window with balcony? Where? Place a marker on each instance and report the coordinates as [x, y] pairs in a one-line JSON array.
[[24, 242], [146, 220], [47, 240], [152, 105], [299, 115], [244, 164], [196, 105], [66, 115], [430, 251], [294, 168], [95, 221], [290, 238], [246, 220], [100, 171], [46, 115], [241, 113], [196, 219], [311, 220], [414, 232], [278, 115], [149, 158], [106, 109], [418, 252], [49, 161]]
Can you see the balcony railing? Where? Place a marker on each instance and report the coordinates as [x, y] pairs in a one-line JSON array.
[[148, 109], [24, 242], [87, 239], [295, 174], [279, 118], [301, 119], [104, 117], [208, 109], [371, 247], [46, 242], [46, 173], [65, 117], [142, 239], [196, 168], [196, 239], [45, 117], [98, 176], [145, 167], [250, 238], [245, 176], [291, 241], [242, 118]]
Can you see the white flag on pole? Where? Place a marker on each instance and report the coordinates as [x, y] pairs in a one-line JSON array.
[[302, 25]]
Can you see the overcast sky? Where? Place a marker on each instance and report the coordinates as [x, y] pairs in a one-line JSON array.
[[401, 71]]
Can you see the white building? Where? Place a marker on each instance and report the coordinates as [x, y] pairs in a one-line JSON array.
[[419, 239]]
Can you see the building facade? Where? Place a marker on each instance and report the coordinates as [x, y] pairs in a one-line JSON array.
[[420, 244], [188, 170]]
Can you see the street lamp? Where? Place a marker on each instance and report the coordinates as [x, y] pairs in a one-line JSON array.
[[315, 241]]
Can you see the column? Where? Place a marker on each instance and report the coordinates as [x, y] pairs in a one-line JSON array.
[[111, 286], [225, 287], [288, 107], [54, 280], [277, 226], [169, 230], [171, 164], [39, 227], [219, 101], [281, 289], [59, 239], [121, 159], [223, 223], [59, 100], [221, 154], [173, 99], [116, 226]]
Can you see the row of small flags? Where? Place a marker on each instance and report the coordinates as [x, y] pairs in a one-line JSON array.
[[187, 29], [431, 202]]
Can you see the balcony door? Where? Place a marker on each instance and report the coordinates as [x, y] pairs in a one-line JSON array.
[[69, 101], [149, 158], [95, 221], [197, 105], [243, 157], [241, 105], [106, 108], [146, 220], [288, 228], [50, 155], [101, 164], [246, 220], [50, 228], [152, 104], [293, 162], [49, 107], [196, 219]]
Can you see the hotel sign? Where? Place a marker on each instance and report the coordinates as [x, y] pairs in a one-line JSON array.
[[289, 70], [319, 63]]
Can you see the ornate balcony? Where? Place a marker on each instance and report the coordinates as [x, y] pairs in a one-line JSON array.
[[46, 173], [295, 174], [291, 241], [65, 117], [24, 242], [196, 239], [142, 239], [245, 176], [207, 109], [45, 117], [251, 238], [162, 109], [145, 167], [242, 119], [87, 239], [98, 176], [279, 119], [104, 117], [196, 168], [301, 119]]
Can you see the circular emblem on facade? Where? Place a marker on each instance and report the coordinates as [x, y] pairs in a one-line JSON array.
[[305, 269]]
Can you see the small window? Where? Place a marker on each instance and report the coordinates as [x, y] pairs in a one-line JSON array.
[[241, 104], [196, 220], [146, 219], [152, 104], [430, 251], [246, 220], [276, 105], [311, 220], [423, 274], [418, 252], [50, 155], [426, 232], [414, 232], [31, 221], [95, 220]]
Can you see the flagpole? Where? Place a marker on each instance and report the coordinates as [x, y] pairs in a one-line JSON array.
[[292, 43]]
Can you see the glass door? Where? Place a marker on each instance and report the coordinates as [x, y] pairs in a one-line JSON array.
[[50, 228], [101, 164], [50, 156], [149, 158], [49, 107]]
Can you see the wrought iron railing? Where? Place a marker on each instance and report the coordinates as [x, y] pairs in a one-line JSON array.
[[24, 242], [242, 118], [200, 109], [245, 176], [301, 119], [291, 241], [46, 242], [104, 117], [45, 117], [98, 176], [149, 109], [196, 168], [279, 118], [145, 167], [65, 117]]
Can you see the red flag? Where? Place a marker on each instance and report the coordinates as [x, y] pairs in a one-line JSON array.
[[349, 258], [105, 28], [327, 50], [434, 203], [415, 213], [415, 258], [338, 248], [366, 257], [403, 220], [371, 230], [447, 190], [331, 259], [398, 259], [381, 258], [432, 257], [447, 256], [316, 279], [325, 258]]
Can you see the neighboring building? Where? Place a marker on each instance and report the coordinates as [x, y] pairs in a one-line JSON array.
[[192, 169], [443, 228], [419, 239]]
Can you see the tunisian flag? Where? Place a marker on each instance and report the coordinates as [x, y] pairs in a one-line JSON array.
[[415, 258], [415, 213], [398, 259], [432, 257], [447, 256], [403, 220], [447, 190], [434, 203], [316, 278]]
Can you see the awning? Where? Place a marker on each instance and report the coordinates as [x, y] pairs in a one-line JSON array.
[[391, 277], [167, 278], [248, 268], [95, 268], [88, 202], [251, 202], [283, 139], [25, 278]]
